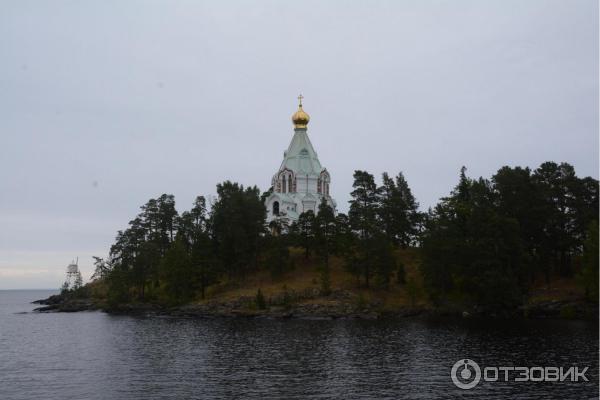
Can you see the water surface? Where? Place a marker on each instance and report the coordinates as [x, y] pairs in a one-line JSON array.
[[92, 355]]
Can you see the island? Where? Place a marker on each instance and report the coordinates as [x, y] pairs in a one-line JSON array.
[[521, 244]]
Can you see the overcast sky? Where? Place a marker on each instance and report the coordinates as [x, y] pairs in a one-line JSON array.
[[105, 104]]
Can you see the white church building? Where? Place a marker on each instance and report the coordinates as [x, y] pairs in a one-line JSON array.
[[301, 182]]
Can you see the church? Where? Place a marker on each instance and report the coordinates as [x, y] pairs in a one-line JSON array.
[[301, 182]]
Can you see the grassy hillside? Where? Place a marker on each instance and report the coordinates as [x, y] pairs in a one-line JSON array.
[[305, 277], [298, 291]]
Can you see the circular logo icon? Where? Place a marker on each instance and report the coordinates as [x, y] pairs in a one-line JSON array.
[[465, 374]]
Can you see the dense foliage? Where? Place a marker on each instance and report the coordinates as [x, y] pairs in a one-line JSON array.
[[483, 245], [488, 241]]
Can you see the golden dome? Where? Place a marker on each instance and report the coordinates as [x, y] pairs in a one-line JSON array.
[[300, 118]]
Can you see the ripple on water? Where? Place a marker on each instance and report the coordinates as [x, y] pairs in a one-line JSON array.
[[92, 355]]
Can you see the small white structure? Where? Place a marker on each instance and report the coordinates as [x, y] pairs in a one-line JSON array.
[[73, 275], [301, 182]]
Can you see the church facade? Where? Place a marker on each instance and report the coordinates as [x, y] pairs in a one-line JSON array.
[[301, 182]]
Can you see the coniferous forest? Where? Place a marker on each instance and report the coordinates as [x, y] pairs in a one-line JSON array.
[[483, 245]]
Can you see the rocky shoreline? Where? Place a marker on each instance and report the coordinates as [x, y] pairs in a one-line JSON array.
[[337, 306], [60, 303]]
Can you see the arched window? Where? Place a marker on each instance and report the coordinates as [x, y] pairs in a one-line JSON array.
[[290, 183], [275, 208], [324, 182], [283, 191]]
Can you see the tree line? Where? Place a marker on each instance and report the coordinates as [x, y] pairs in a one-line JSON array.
[[485, 243], [489, 240]]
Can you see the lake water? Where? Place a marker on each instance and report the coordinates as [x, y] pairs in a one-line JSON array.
[[92, 355]]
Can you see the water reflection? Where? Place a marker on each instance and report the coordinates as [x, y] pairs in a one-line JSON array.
[[98, 356]]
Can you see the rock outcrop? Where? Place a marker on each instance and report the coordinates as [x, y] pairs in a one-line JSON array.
[[62, 303]]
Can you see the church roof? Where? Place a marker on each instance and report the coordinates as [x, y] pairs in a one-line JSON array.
[[300, 156]]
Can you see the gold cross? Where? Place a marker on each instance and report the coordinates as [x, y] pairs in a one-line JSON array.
[[300, 97]]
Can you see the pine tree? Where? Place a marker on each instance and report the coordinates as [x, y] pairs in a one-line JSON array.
[[324, 232], [555, 184], [101, 270], [237, 220], [278, 255], [470, 251], [177, 274], [364, 205], [398, 212], [325, 242], [304, 229], [364, 209]]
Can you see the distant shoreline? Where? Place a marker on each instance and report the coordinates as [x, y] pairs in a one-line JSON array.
[[338, 305]]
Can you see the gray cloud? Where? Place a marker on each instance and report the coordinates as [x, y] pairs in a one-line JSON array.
[[106, 104]]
